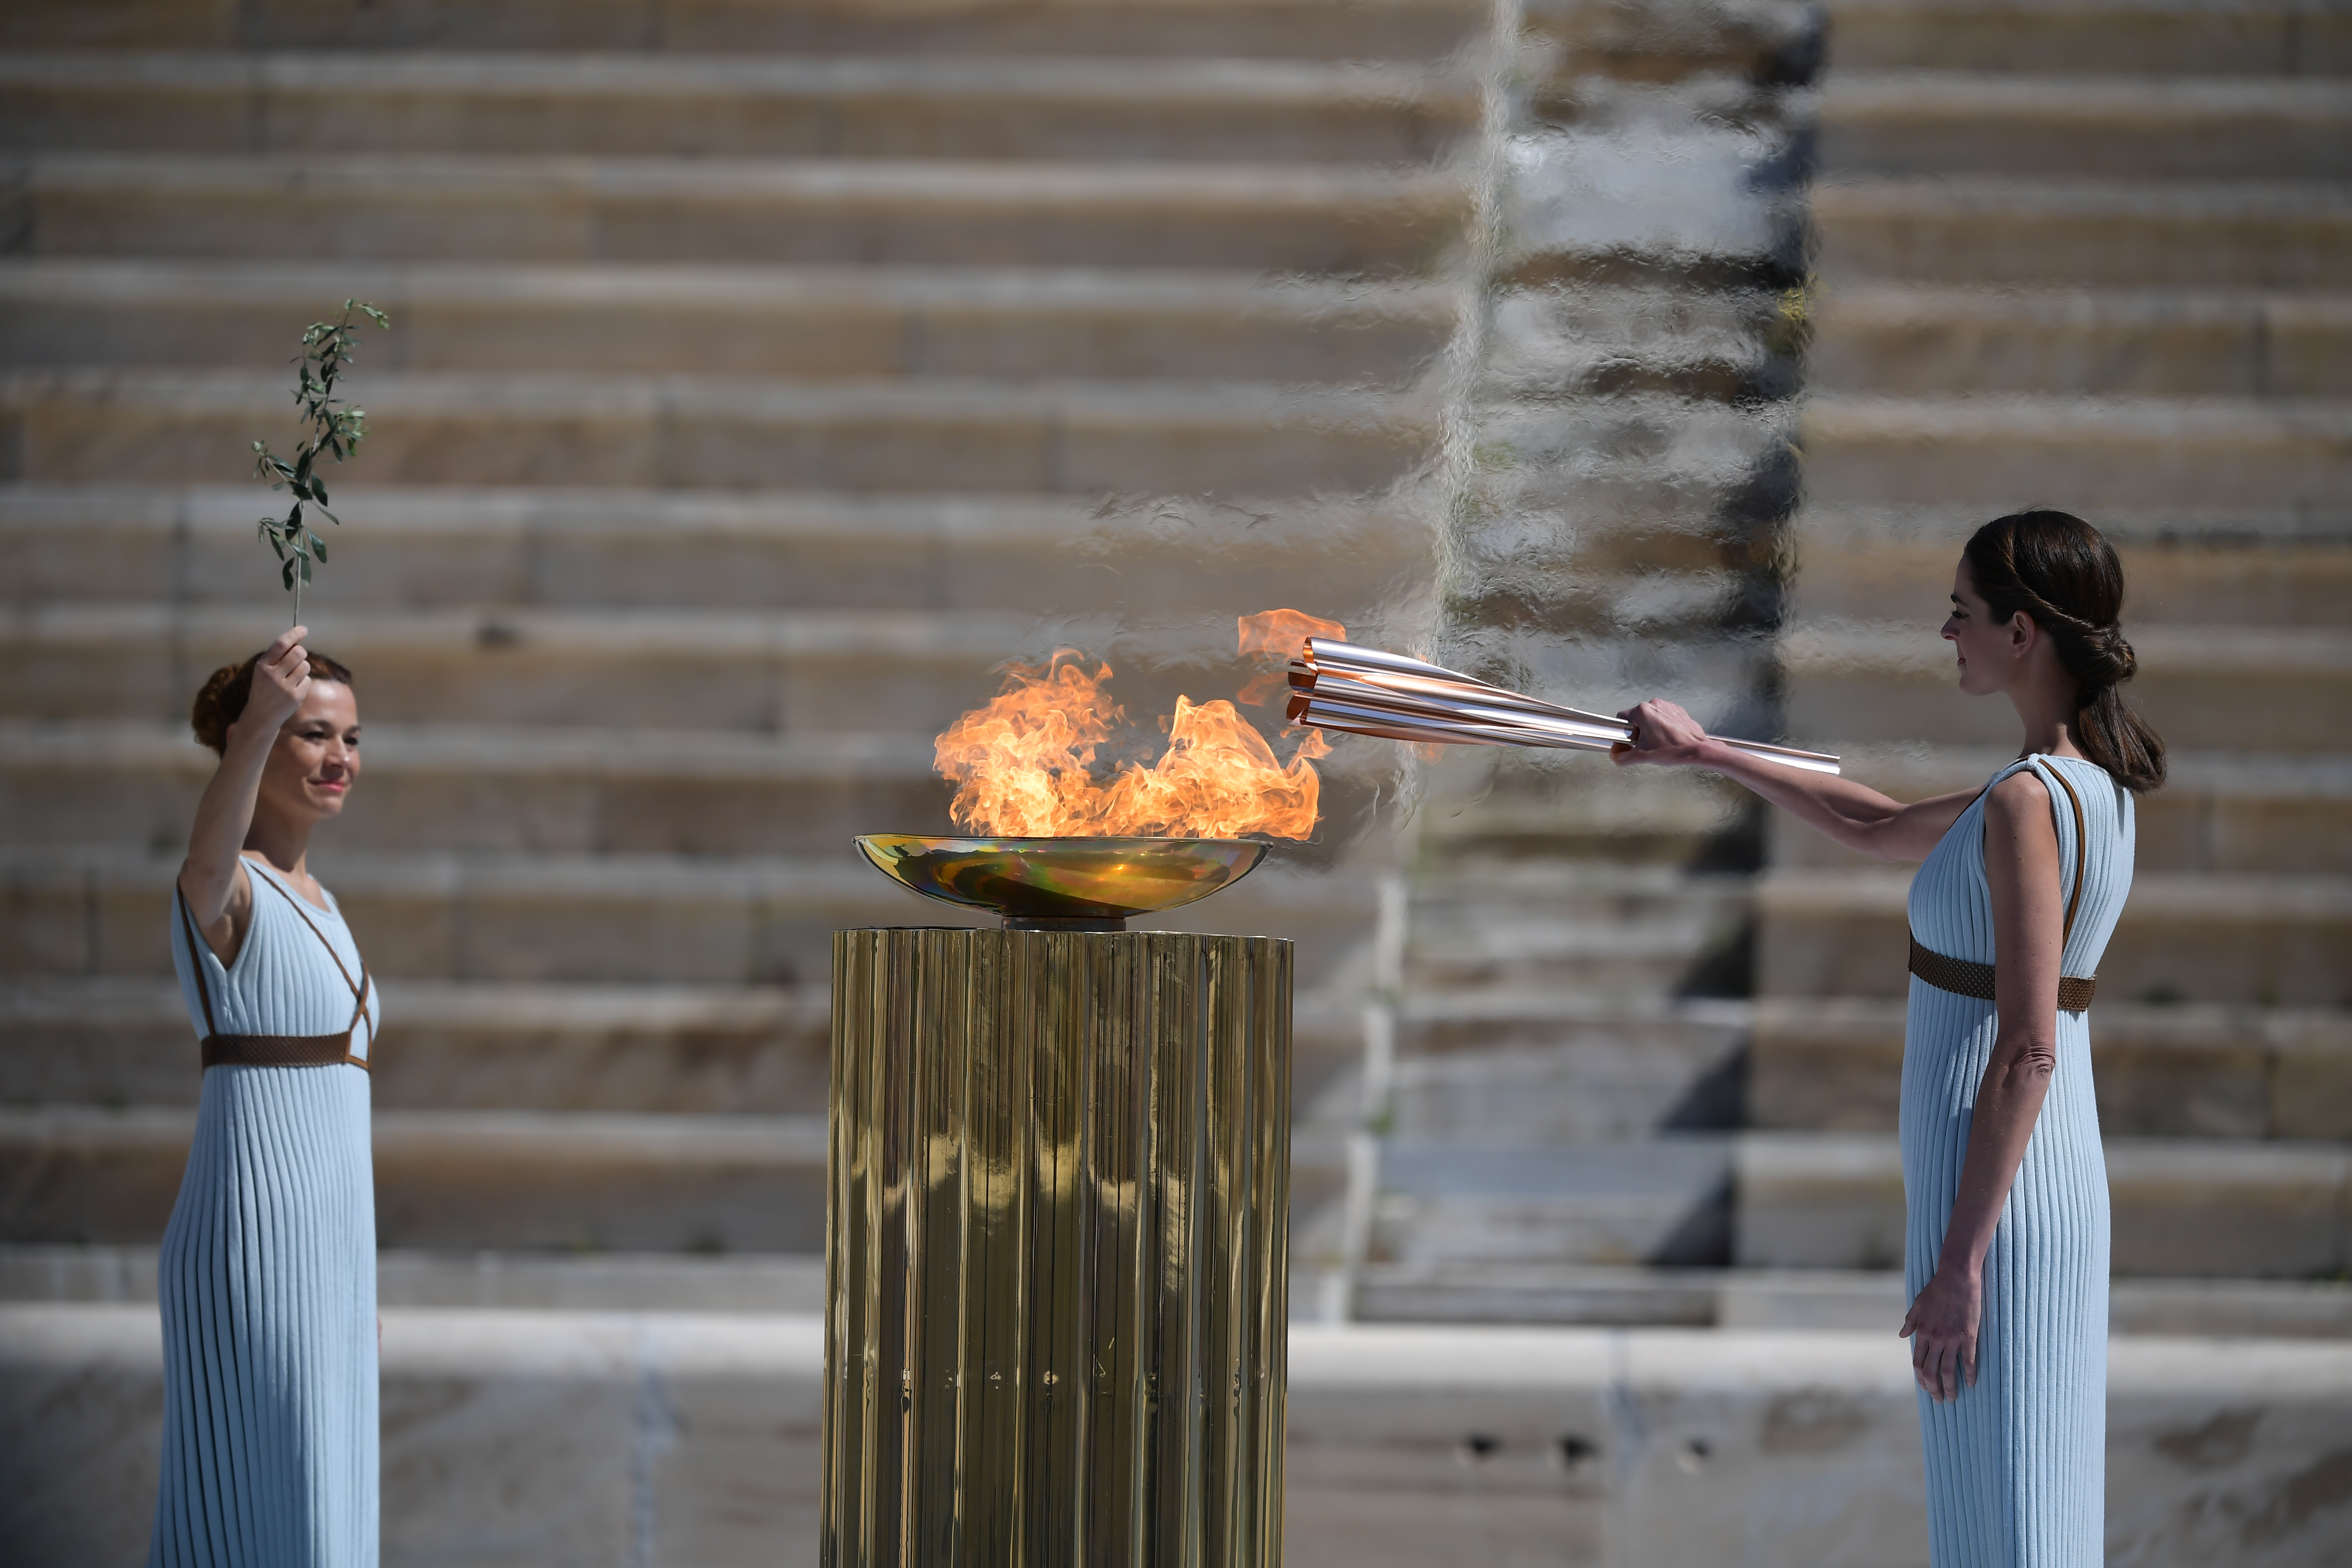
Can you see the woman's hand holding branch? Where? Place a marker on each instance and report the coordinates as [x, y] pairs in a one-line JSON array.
[[213, 879]]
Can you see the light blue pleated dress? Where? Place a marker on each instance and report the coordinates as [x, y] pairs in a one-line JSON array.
[[267, 1276], [2017, 1465]]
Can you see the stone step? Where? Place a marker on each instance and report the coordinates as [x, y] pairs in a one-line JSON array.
[[455, 1180], [611, 920], [1618, 931], [2257, 566], [515, 791], [1777, 1300], [1589, 1295], [2259, 692], [802, 322], [1808, 1300], [2260, 234], [2065, 38], [1611, 340], [2098, 453], [497, 790], [116, 1040], [2219, 812], [513, 1181], [2181, 1207], [475, 1281], [670, 1437], [1931, 340], [2190, 1070], [732, 107], [1284, 29], [1663, 485], [2281, 940], [1726, 46], [1825, 1300], [1616, 960], [732, 433], [1547, 1067], [1499, 1065], [1451, 1203], [1943, 122], [794, 674], [790, 673], [1581, 809], [717, 211], [450, 547]]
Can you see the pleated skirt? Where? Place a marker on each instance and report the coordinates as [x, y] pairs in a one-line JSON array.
[[267, 1290], [2017, 1465]]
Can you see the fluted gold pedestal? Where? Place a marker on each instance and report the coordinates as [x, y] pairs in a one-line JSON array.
[[1056, 1267]]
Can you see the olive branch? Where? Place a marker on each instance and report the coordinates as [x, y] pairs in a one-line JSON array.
[[336, 429]]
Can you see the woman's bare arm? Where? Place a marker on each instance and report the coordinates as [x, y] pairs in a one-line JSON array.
[[1855, 815], [213, 878], [2021, 867]]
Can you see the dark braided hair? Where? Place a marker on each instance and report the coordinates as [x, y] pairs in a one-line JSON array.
[[2063, 574], [225, 696]]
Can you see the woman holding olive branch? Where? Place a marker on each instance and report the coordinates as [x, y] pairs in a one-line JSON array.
[[268, 1274], [2020, 886], [267, 1279]]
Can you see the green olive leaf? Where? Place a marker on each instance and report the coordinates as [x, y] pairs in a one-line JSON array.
[[336, 431]]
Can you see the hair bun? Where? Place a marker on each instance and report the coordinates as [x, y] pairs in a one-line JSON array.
[[216, 707], [2110, 657]]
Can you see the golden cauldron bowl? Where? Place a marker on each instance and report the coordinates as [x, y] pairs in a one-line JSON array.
[[1062, 883]]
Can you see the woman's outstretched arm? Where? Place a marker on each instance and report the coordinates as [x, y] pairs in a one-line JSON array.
[[1855, 815], [212, 878], [2021, 867]]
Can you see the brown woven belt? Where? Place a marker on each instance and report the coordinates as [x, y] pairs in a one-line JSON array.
[[280, 1051], [1961, 978]]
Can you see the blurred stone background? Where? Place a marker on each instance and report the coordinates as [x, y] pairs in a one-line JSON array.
[[767, 372]]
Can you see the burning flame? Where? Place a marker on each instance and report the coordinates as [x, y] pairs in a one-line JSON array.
[[1277, 637], [1024, 764]]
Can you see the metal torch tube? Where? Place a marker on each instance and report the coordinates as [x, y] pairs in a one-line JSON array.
[[1353, 720], [1446, 691], [1447, 729], [1466, 707], [1431, 681]]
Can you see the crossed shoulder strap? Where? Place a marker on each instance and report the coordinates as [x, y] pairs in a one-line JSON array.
[[276, 1050], [359, 988]]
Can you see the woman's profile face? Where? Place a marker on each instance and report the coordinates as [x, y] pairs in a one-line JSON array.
[[1988, 650], [316, 759]]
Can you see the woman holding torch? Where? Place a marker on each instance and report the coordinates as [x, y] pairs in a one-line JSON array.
[[268, 1274], [2021, 885]]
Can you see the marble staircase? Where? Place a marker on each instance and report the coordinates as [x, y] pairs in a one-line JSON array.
[[763, 376], [2083, 256], [2112, 278], [767, 371]]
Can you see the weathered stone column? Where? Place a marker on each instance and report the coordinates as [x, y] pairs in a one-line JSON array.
[[1057, 1248]]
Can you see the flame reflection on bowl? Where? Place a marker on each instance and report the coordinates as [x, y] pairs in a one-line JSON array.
[[1091, 880]]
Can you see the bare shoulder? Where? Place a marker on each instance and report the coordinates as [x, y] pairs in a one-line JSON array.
[[2019, 802], [221, 907]]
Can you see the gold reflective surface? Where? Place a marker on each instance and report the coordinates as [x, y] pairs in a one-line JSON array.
[[1057, 1249], [1063, 879]]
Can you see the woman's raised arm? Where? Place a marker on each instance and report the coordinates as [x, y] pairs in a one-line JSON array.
[[212, 878], [1855, 815]]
